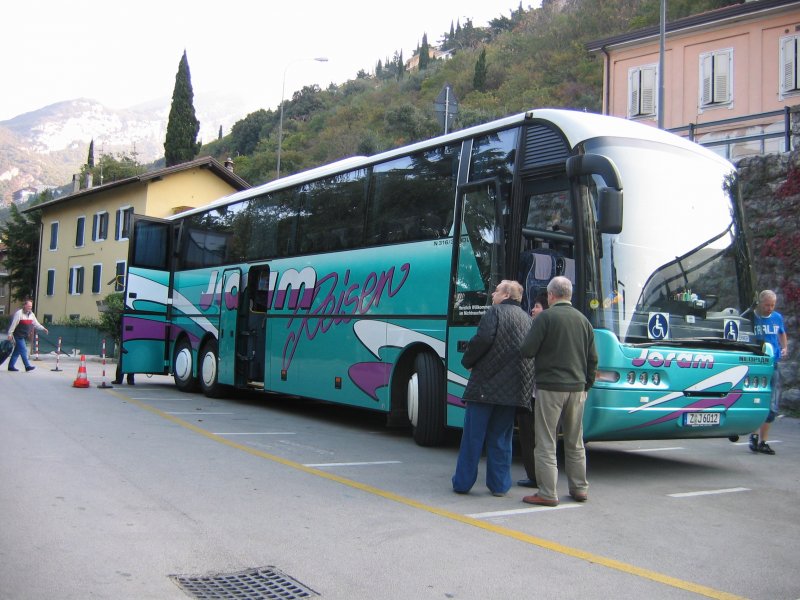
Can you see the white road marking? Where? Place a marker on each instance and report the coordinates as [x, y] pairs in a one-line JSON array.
[[353, 464], [658, 449], [519, 511], [709, 492]]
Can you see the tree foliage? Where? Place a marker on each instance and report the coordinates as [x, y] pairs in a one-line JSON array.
[[20, 235], [181, 143], [537, 57]]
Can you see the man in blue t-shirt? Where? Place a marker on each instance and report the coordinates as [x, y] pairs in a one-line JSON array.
[[768, 327]]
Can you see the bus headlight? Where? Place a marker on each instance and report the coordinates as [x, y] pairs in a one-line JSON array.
[[746, 381], [631, 378], [643, 378], [656, 379], [607, 376]]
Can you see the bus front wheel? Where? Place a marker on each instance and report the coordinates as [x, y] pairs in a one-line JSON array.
[[426, 407], [208, 370], [182, 365]]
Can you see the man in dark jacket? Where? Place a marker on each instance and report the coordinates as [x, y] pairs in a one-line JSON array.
[[501, 380], [561, 341]]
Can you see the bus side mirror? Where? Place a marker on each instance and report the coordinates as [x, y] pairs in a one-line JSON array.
[[610, 208]]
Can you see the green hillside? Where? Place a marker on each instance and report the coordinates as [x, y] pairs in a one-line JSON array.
[[533, 58]]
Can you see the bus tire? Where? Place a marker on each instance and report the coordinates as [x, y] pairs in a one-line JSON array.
[[182, 367], [208, 370], [425, 397]]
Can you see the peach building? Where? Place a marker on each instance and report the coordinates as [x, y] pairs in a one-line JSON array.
[[730, 76]]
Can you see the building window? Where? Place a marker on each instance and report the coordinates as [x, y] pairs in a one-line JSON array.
[[716, 78], [80, 229], [119, 280], [100, 227], [51, 282], [124, 218], [76, 280], [54, 235], [97, 277], [642, 88], [788, 74]]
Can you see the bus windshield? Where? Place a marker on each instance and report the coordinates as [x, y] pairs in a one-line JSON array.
[[679, 270]]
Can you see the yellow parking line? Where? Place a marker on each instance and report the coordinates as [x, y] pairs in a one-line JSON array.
[[504, 531]]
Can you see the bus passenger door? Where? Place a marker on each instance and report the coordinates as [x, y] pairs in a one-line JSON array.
[[148, 298], [478, 262], [228, 314], [252, 350]]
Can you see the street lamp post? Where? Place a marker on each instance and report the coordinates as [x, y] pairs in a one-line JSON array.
[[280, 122]]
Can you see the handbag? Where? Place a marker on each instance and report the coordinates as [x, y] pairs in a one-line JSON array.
[[6, 348]]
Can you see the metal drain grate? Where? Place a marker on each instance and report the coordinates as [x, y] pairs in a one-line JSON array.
[[265, 583]]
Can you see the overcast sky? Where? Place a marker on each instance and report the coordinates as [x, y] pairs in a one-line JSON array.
[[125, 53]]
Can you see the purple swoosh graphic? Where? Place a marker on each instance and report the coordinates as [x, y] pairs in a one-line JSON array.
[[703, 403], [369, 376]]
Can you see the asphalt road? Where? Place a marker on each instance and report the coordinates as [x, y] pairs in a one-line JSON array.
[[116, 493]]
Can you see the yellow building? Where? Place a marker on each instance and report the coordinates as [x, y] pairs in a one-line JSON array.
[[83, 250]]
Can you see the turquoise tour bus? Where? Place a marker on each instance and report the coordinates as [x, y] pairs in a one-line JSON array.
[[360, 282]]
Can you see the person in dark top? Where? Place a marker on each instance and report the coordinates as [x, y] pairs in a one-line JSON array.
[[561, 342], [500, 382], [22, 326]]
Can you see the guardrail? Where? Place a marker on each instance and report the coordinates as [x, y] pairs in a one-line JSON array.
[[694, 129]]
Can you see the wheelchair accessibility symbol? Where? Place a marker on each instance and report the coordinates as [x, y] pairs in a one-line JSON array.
[[658, 326], [731, 330]]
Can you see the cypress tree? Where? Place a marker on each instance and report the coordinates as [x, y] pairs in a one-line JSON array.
[[182, 128], [90, 158], [424, 53], [479, 81]]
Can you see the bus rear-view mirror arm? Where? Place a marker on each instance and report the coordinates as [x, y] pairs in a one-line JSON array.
[[609, 197]]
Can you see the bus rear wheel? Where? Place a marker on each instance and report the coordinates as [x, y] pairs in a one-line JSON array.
[[425, 399], [182, 366], [208, 370]]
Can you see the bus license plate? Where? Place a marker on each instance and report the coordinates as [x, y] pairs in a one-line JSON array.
[[701, 419]]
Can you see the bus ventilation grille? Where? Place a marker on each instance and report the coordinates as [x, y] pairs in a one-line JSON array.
[[265, 583]]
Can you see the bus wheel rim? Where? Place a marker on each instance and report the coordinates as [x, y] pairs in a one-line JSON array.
[[209, 369], [413, 399], [183, 364]]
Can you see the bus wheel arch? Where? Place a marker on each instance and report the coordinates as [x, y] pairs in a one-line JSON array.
[[422, 376], [183, 365], [208, 368]]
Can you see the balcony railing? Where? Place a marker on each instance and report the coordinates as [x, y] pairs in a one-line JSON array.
[[738, 137]]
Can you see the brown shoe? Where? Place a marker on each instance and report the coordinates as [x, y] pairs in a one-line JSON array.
[[579, 496], [539, 501]]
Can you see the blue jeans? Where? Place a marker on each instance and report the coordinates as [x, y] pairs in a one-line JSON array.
[[492, 424], [21, 350]]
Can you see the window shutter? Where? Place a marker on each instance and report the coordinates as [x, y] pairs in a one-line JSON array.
[[789, 64], [634, 86], [648, 91], [94, 227], [722, 77], [706, 73]]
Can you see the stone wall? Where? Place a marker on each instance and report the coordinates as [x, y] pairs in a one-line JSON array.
[[770, 187]]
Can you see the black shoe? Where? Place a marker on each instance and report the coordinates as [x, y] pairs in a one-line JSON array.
[[529, 483], [117, 382], [29, 368], [13, 369], [130, 380], [754, 442], [764, 448]]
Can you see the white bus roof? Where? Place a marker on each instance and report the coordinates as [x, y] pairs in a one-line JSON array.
[[576, 126]]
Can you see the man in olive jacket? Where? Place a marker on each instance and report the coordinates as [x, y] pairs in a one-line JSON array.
[[501, 381], [561, 342]]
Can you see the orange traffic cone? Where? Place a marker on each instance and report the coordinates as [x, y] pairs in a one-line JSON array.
[[81, 381]]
